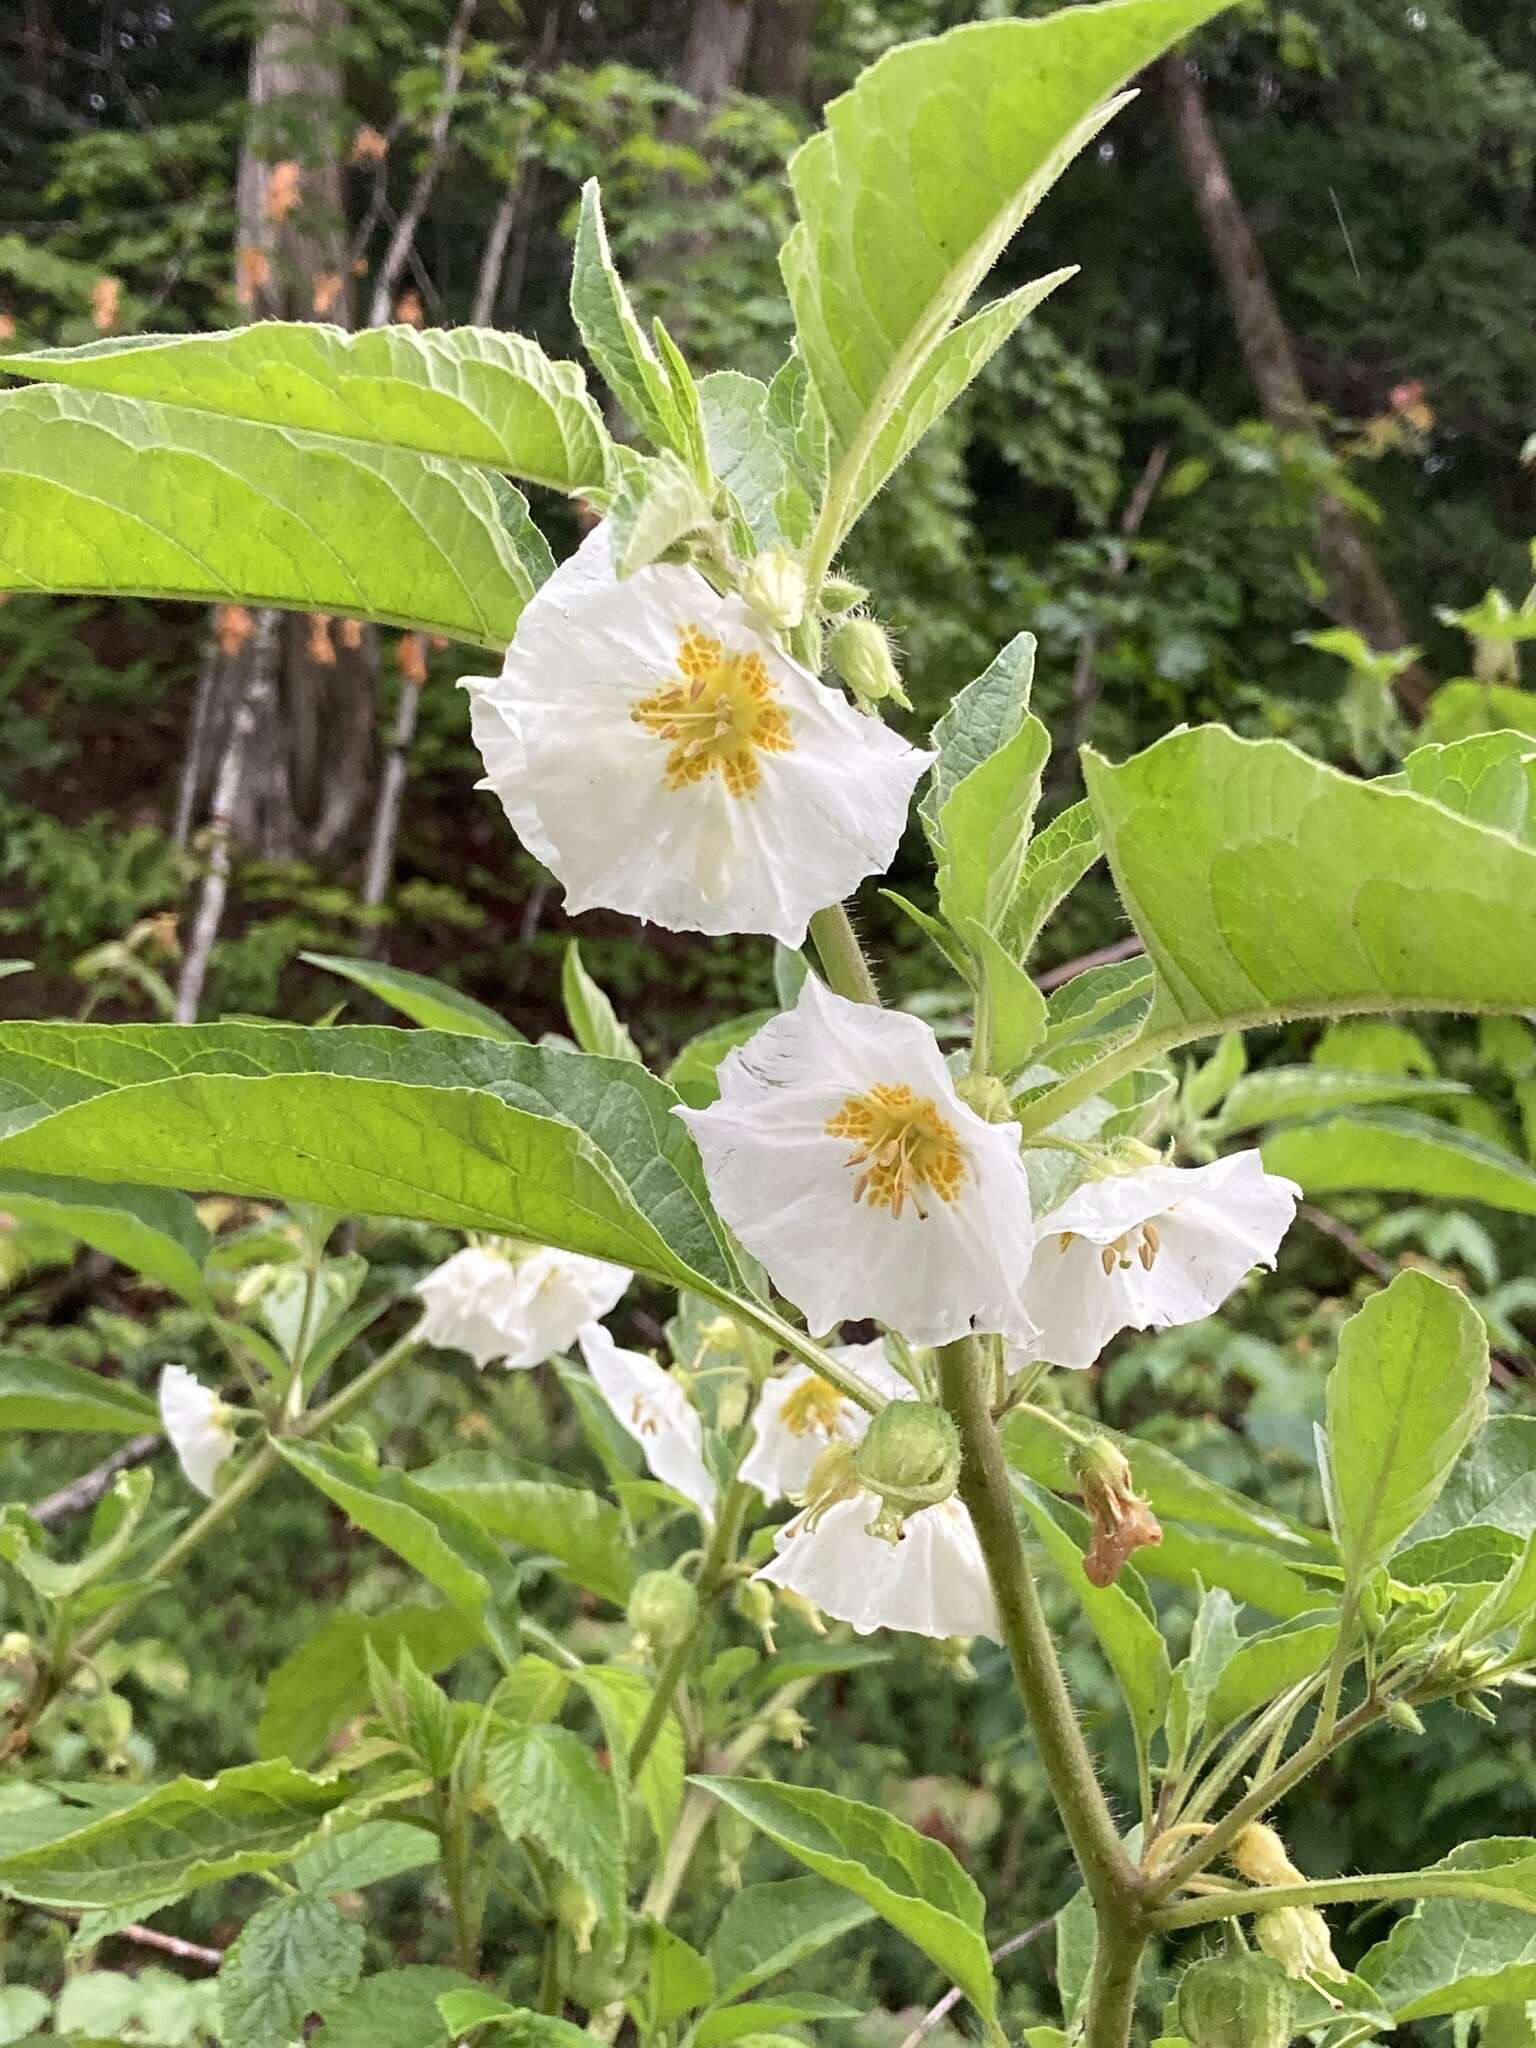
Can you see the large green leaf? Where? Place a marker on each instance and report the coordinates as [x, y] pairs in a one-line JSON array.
[[548, 1788], [190, 1832], [1492, 1484], [128, 498], [434, 1536], [1406, 1393], [470, 393], [293, 1957], [419, 997], [662, 405], [1491, 778], [1452, 1954], [584, 1532], [911, 1880], [395, 2009], [770, 1927], [525, 1140], [46, 1393], [1398, 1150], [155, 1232], [1278, 1094], [1264, 1666], [910, 193], [325, 1682], [1268, 886], [748, 452]]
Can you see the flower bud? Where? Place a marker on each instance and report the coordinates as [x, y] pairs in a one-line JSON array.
[[807, 1610], [1297, 1937], [861, 653], [575, 1912], [1401, 1715], [663, 1608], [910, 1457], [1122, 1520], [987, 1095], [1236, 2002], [731, 1405], [753, 1601], [775, 589], [785, 1725], [839, 594], [1259, 1854]]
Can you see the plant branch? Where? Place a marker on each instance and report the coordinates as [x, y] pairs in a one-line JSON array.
[[404, 236], [841, 956], [84, 1492], [1340, 1891], [718, 1559]]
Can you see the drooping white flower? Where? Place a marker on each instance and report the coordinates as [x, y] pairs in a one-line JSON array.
[[842, 1157], [661, 754], [650, 1405], [799, 1413], [933, 1582], [515, 1309], [198, 1425], [1150, 1249]]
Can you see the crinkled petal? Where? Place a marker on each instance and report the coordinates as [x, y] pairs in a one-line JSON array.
[[932, 1583], [196, 1421], [649, 1405], [515, 1311]]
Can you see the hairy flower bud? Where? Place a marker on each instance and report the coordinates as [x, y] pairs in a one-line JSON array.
[[1297, 1937], [775, 589], [663, 1608], [753, 1601], [1237, 2002], [861, 653], [910, 1457], [1122, 1520], [839, 594], [785, 1725], [987, 1095]]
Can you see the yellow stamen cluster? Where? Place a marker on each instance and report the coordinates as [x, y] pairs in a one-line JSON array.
[[718, 717], [814, 1405], [903, 1146], [1141, 1242]]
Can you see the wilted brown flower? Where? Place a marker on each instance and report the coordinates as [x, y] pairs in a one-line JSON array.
[[1122, 1520]]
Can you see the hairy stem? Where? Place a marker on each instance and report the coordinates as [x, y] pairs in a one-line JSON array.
[[1111, 2007], [718, 1559], [841, 956], [1339, 1891]]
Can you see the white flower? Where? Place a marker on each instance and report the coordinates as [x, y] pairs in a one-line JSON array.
[[1150, 1249], [515, 1310], [933, 1582], [652, 1407], [197, 1423], [842, 1157], [661, 755], [799, 1414]]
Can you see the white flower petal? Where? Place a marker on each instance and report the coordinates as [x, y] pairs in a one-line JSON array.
[[791, 1189], [1211, 1225], [515, 1310], [790, 1433], [649, 1405], [932, 1583], [586, 783], [197, 1423]]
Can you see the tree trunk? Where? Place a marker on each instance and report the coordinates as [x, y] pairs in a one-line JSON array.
[[713, 62], [781, 48], [1357, 592]]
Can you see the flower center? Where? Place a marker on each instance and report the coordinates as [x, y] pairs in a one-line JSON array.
[[903, 1146], [1140, 1242], [643, 1416], [814, 1405], [718, 717]]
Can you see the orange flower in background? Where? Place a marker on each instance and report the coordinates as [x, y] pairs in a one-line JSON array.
[[328, 289], [411, 659], [318, 646], [409, 310], [105, 294], [350, 633], [7, 327], [252, 273], [233, 626], [368, 146], [283, 187]]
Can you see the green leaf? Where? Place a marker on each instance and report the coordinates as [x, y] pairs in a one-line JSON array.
[[582, 1532], [1015, 1010], [1408, 1390], [324, 1684], [1094, 1007], [548, 1788], [395, 2009], [1490, 778], [1264, 1666], [750, 453], [45, 1393], [433, 1535], [1208, 1082], [982, 717], [1385, 901], [1453, 1954], [1056, 862], [379, 1849], [1492, 1483], [462, 2011], [680, 1979], [22, 2012], [1258, 1576], [157, 1233], [695, 1071], [614, 338], [111, 495], [188, 1833], [1213, 1643], [985, 827], [522, 1140], [1400, 1151], [659, 503], [113, 1526], [621, 1698], [417, 996], [911, 1880], [469, 393], [293, 1957], [1463, 708], [1512, 1600], [1278, 1094], [938, 153], [594, 1024], [1127, 1633], [766, 1928]]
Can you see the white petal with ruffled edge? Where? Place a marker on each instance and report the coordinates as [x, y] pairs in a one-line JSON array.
[[798, 1414], [515, 1310], [649, 1405], [197, 1423], [586, 762], [932, 1583], [1209, 1226], [790, 1187]]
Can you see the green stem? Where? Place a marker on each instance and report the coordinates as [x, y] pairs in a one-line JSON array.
[[1112, 1881], [718, 1559], [1111, 2006], [1338, 1891], [842, 957]]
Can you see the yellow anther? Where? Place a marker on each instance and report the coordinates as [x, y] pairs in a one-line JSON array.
[[718, 717], [904, 1146]]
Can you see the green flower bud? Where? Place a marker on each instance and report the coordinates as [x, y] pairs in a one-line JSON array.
[[753, 1601], [861, 654], [1401, 1715], [987, 1095], [663, 1607], [731, 1406], [1297, 1937], [1237, 2002], [775, 589], [838, 594], [910, 1457], [785, 1725], [575, 1912]]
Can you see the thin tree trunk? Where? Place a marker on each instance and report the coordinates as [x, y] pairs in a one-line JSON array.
[[713, 62], [386, 816], [781, 48], [403, 240], [1358, 595]]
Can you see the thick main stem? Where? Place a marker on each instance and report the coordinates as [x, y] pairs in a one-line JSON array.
[[1112, 1880]]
